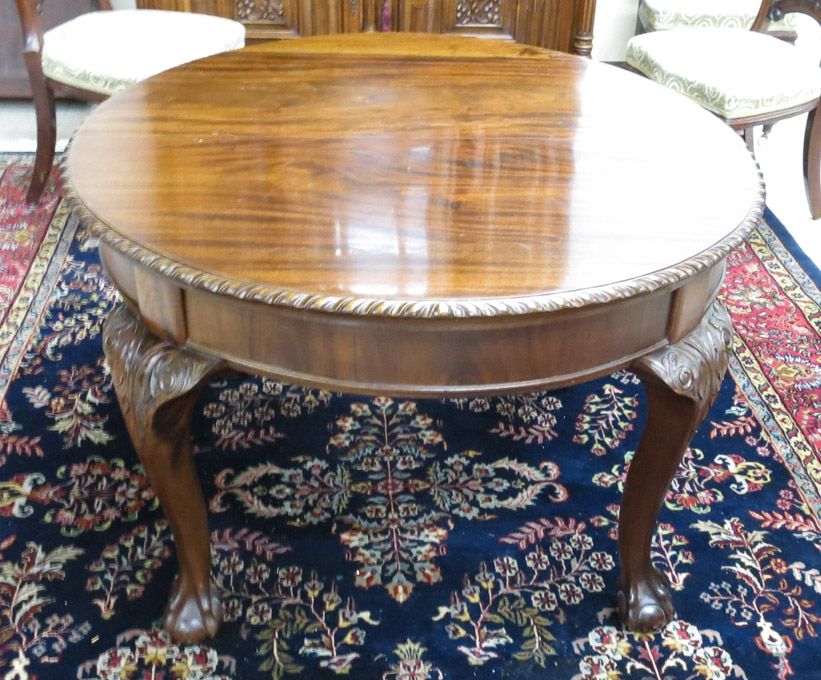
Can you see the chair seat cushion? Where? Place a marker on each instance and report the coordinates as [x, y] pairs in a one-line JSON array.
[[107, 51], [733, 73], [662, 15]]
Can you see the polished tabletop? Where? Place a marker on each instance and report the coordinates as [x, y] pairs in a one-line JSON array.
[[380, 167]]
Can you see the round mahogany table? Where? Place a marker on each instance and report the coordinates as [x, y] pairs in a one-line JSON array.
[[413, 215]]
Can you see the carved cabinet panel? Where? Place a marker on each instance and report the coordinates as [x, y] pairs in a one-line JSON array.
[[264, 19], [565, 25]]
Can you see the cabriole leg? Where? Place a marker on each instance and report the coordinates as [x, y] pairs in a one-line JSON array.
[[157, 384], [681, 381]]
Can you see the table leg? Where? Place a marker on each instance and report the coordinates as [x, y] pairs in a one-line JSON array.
[[682, 381], [157, 384]]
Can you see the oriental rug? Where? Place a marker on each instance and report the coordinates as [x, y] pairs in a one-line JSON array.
[[389, 539]]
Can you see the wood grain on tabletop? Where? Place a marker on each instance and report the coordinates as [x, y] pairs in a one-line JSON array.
[[423, 166]]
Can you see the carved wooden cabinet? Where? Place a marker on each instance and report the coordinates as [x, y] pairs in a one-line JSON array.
[[565, 25]]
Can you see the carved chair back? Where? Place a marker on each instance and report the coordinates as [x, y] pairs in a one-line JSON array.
[[775, 10]]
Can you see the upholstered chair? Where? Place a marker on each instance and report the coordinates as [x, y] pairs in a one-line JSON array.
[[99, 53], [663, 15], [747, 78]]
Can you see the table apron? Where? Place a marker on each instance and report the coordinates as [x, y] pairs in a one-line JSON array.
[[411, 356]]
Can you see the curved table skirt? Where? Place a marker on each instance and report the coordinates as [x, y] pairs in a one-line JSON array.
[[415, 357]]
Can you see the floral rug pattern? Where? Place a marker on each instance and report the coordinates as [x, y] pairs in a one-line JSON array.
[[395, 539]]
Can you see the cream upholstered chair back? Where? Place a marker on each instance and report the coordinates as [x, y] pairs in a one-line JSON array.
[[102, 52]]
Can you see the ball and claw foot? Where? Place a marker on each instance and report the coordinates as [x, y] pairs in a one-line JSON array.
[[645, 605], [192, 615]]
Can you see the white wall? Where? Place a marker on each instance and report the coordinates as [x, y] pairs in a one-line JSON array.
[[614, 25]]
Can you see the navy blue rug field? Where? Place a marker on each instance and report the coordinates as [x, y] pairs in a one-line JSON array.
[[389, 539]]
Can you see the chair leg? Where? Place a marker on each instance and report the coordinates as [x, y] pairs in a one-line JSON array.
[[46, 127], [748, 135], [812, 162]]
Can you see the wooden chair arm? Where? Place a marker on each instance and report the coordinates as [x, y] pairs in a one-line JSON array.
[[774, 10], [762, 19], [32, 26]]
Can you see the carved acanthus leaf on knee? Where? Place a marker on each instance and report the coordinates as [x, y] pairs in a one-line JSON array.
[[694, 367]]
